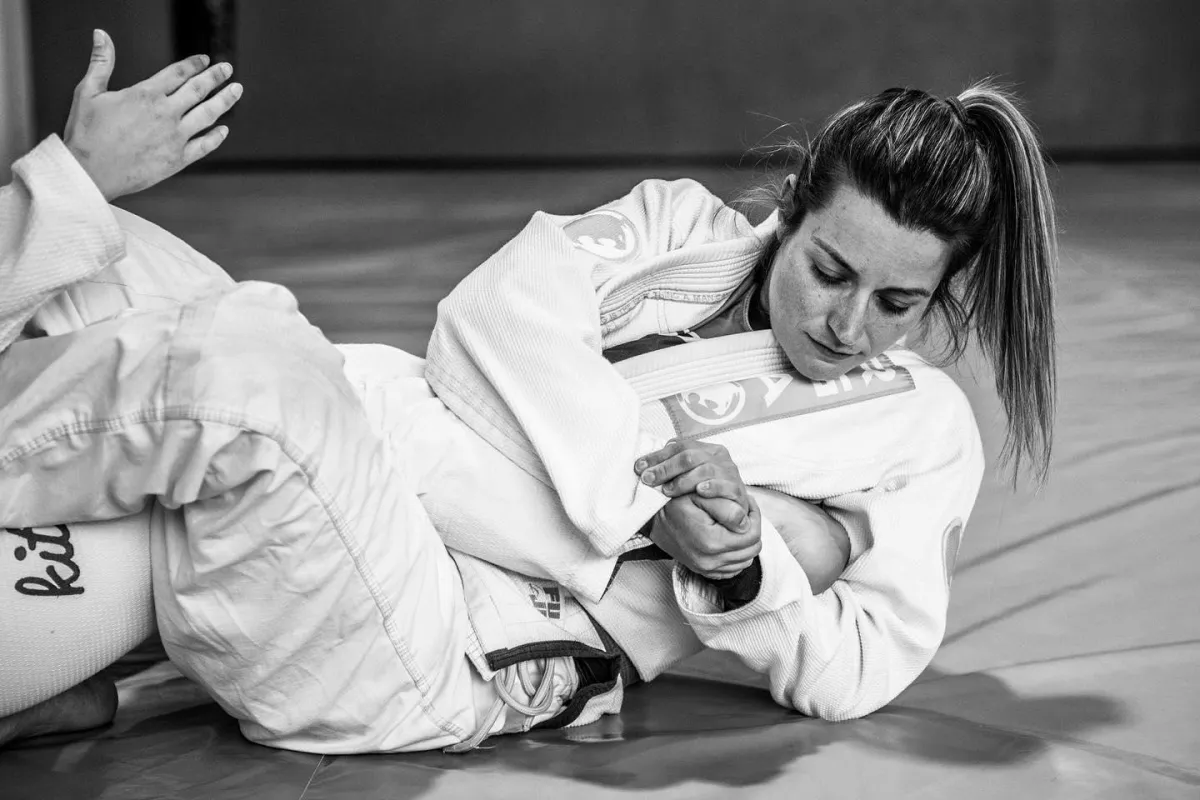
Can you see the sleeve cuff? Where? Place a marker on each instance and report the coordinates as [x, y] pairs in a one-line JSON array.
[[739, 590], [52, 155], [52, 165]]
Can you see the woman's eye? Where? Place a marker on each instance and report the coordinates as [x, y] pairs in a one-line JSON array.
[[827, 278], [891, 308]]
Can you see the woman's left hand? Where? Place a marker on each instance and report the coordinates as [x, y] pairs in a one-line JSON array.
[[684, 466]]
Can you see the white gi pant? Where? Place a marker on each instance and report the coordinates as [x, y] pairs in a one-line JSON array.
[[296, 575]]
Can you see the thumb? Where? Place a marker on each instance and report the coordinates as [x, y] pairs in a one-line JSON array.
[[100, 69]]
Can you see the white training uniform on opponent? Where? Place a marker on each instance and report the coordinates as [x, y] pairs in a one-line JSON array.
[[295, 574], [67, 255]]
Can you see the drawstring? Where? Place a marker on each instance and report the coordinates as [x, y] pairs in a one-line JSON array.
[[541, 698]]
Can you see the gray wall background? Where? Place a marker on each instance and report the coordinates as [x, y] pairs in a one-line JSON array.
[[584, 79], [16, 102]]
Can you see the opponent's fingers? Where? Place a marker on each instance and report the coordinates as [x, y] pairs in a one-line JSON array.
[[687, 482], [211, 110], [201, 146], [718, 487], [658, 456], [685, 460], [716, 482], [200, 86], [100, 67], [168, 79]]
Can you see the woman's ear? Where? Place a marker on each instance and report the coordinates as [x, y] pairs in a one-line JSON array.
[[787, 206]]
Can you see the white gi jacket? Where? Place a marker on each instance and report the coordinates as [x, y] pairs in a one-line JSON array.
[[892, 449]]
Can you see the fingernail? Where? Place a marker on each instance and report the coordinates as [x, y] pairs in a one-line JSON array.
[[648, 476], [225, 69], [704, 486], [640, 465], [236, 88], [97, 37]]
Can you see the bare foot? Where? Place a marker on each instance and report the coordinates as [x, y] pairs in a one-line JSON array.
[[88, 705]]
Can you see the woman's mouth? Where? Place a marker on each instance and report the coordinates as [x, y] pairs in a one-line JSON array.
[[828, 352]]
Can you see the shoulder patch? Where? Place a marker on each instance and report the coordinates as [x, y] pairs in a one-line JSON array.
[[951, 542], [762, 398], [604, 233]]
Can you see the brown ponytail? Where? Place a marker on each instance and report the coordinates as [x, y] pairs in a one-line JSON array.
[[1009, 292]]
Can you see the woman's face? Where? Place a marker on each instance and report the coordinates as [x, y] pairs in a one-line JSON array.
[[849, 283]]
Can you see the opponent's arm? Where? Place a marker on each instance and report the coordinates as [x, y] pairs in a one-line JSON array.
[[56, 227]]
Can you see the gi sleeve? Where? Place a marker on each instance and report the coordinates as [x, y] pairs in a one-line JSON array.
[[852, 649], [55, 229], [528, 322]]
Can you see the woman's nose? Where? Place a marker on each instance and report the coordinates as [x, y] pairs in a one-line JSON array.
[[848, 323]]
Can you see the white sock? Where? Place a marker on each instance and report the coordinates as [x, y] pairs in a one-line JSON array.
[[73, 599]]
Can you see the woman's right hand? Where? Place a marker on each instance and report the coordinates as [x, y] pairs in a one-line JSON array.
[[131, 139], [711, 536]]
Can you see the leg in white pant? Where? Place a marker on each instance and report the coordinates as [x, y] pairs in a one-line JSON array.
[[296, 575]]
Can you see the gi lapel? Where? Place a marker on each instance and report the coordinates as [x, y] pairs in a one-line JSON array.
[[715, 385]]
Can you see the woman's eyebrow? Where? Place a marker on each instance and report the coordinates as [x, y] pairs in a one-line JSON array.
[[832, 252]]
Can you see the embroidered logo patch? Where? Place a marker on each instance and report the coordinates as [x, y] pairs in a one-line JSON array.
[[607, 234], [951, 541], [546, 599], [725, 406], [714, 405]]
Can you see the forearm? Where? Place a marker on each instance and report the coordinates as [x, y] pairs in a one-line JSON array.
[[817, 541]]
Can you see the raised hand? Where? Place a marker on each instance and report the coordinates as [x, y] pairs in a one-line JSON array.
[[131, 139]]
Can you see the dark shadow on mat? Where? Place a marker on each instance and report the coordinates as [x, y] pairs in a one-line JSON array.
[[984, 708], [680, 730], [677, 730]]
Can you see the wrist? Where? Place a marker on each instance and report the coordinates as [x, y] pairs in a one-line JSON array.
[[741, 589], [83, 157]]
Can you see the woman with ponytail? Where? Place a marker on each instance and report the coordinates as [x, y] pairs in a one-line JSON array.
[[639, 431], [969, 171], [815, 508]]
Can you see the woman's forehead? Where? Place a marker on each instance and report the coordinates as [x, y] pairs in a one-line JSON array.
[[855, 233]]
